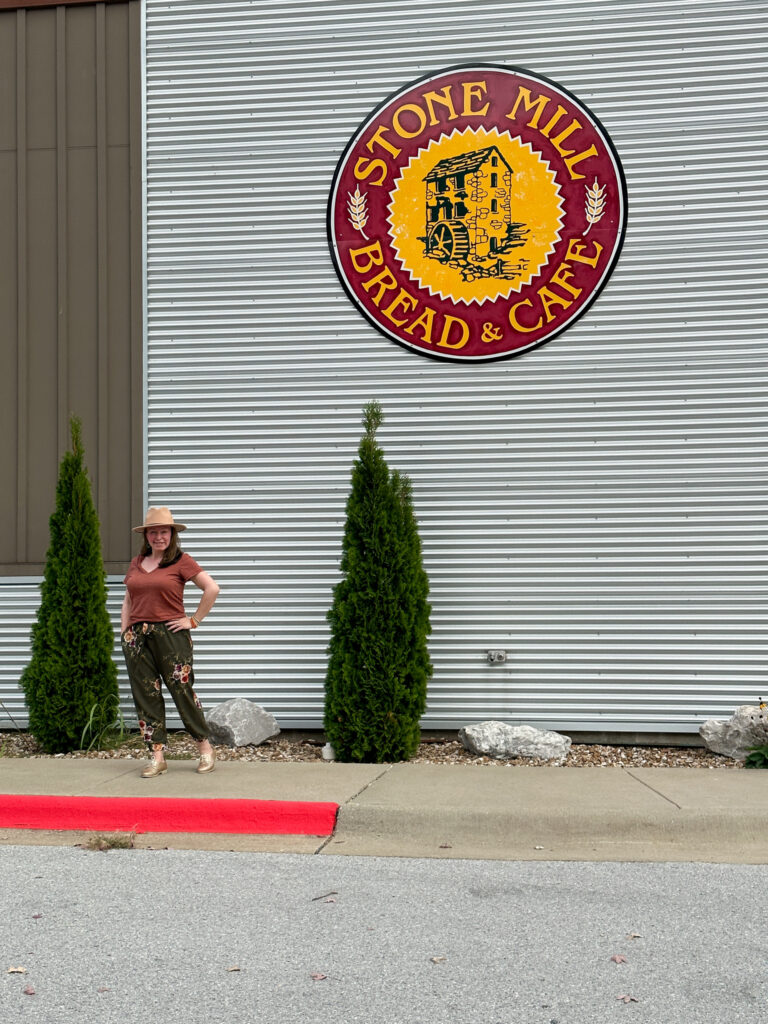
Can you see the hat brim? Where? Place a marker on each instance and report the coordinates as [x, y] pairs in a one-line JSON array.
[[174, 526]]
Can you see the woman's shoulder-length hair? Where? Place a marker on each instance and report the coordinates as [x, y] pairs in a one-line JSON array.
[[171, 553]]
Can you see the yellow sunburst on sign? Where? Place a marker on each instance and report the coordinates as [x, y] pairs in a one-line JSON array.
[[475, 215]]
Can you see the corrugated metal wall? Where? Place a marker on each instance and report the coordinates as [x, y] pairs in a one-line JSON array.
[[19, 599], [596, 507]]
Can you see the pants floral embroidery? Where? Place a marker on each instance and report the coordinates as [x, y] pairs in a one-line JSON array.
[[155, 655]]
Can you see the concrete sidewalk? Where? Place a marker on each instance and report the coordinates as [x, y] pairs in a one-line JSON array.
[[455, 811]]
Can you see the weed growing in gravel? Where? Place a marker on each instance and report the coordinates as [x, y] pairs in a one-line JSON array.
[[111, 841], [106, 728]]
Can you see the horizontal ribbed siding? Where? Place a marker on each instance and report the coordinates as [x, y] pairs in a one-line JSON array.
[[19, 599], [597, 507]]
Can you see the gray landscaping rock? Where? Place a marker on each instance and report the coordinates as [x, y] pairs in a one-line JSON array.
[[240, 723], [497, 739], [747, 727]]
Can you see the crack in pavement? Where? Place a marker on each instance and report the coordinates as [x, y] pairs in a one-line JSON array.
[[656, 791], [349, 800]]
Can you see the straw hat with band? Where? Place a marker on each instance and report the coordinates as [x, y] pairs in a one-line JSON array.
[[159, 517]]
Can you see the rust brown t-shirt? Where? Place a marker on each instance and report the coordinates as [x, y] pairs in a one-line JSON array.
[[158, 596]]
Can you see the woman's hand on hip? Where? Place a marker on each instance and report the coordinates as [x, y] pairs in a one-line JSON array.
[[176, 625]]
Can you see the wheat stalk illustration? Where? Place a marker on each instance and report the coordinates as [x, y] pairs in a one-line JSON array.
[[357, 205], [595, 204]]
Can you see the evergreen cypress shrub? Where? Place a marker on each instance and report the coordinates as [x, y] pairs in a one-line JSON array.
[[70, 683], [378, 664]]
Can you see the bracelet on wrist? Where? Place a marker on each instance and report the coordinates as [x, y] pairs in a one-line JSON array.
[[195, 622]]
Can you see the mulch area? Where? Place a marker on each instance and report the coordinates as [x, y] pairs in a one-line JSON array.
[[432, 751]]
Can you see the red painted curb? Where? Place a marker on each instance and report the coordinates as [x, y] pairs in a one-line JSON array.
[[165, 814]]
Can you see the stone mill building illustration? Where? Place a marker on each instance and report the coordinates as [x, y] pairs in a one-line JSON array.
[[469, 217]]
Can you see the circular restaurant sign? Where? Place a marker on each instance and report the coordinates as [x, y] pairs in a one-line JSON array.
[[477, 213]]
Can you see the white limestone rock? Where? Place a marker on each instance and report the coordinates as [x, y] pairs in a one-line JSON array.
[[747, 727], [500, 740], [241, 723]]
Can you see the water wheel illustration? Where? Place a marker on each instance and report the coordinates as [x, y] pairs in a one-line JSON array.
[[448, 240]]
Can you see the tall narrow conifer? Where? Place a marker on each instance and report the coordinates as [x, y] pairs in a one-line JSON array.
[[378, 665], [71, 679]]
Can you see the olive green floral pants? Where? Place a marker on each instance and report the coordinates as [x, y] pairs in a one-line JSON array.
[[155, 655]]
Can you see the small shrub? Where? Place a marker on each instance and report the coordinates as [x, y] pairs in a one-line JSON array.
[[378, 664], [71, 669]]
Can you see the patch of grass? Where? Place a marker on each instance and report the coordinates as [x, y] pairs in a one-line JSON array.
[[110, 841], [105, 728]]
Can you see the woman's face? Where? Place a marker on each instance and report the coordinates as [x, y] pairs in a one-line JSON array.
[[159, 537]]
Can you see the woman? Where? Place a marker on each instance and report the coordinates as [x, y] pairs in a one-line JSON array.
[[156, 638]]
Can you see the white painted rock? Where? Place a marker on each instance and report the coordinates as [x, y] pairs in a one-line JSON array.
[[498, 739], [241, 723], [747, 727]]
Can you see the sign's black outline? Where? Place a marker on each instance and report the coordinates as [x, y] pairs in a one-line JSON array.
[[447, 357]]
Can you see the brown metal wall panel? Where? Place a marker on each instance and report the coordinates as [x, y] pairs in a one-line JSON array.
[[81, 255], [118, 81], [20, 4], [70, 267], [62, 216], [8, 288], [101, 253], [8, 63], [21, 460], [81, 77], [9, 5], [8, 379], [131, 446], [120, 330], [39, 353], [41, 80]]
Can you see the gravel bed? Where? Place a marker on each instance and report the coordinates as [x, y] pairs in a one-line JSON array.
[[433, 751]]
